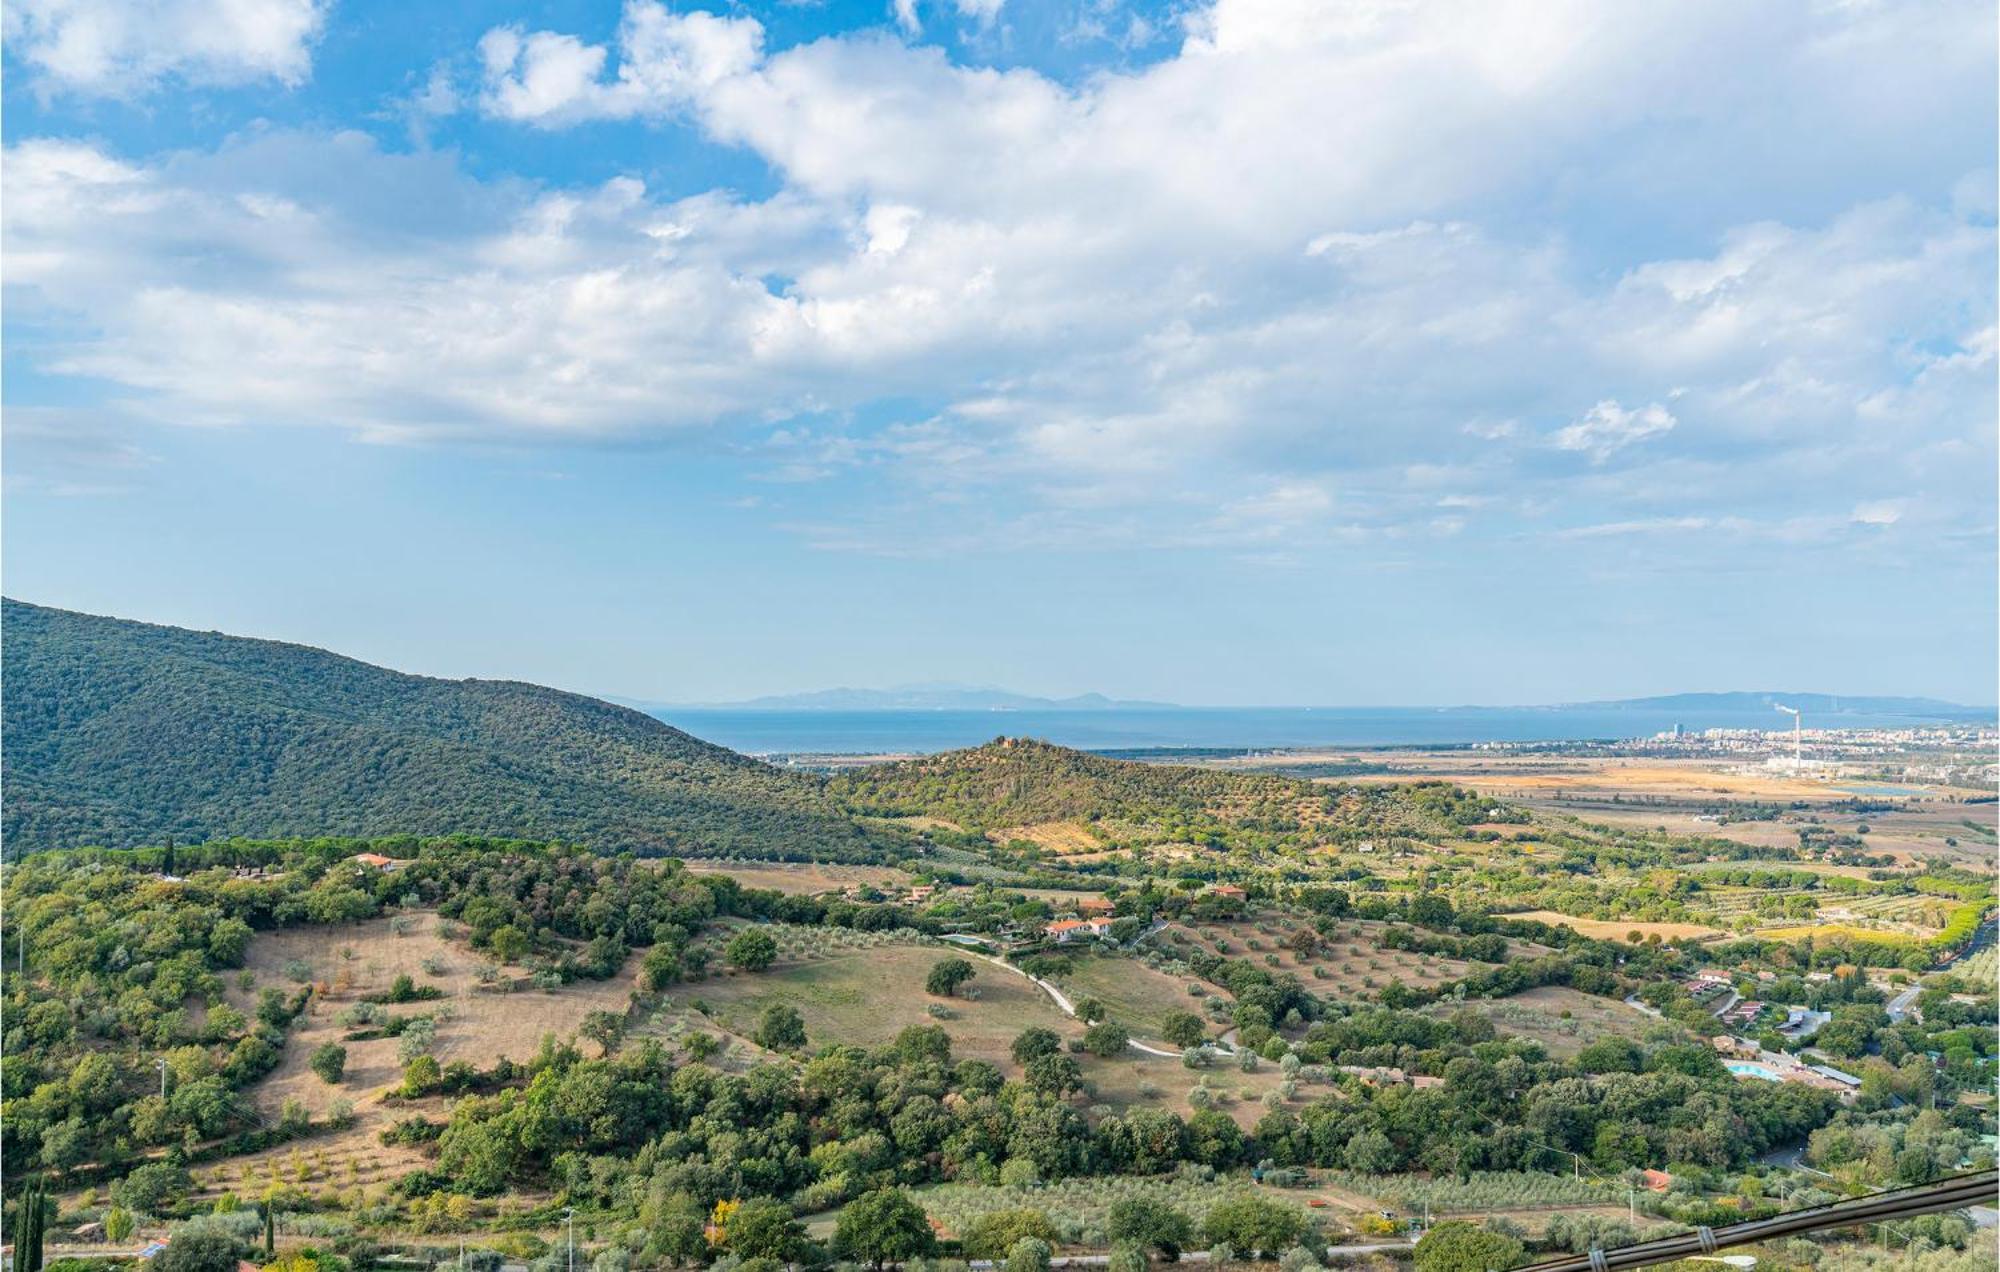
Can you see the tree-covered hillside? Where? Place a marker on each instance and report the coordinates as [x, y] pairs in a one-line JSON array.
[[1018, 781], [120, 733]]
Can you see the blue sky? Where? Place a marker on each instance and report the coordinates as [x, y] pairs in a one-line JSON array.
[[1263, 351]]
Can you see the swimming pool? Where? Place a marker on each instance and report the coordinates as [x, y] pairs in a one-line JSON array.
[[1750, 1069]]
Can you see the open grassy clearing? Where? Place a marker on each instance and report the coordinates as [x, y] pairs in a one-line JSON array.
[[864, 997], [1563, 1020], [1064, 838], [802, 878], [1136, 996], [1619, 929]]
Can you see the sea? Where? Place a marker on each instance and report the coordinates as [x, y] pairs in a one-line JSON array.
[[878, 732]]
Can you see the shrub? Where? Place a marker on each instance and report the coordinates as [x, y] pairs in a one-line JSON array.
[[1029, 1254], [329, 1062]]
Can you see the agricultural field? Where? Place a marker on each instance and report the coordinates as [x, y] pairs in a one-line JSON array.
[[1059, 838], [1981, 968], [802, 878], [1563, 1020], [1352, 963], [1620, 929], [1079, 1208]]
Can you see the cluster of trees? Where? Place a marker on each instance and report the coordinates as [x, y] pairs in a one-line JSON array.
[[116, 954]]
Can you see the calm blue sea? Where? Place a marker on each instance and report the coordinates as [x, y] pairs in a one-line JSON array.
[[765, 732]]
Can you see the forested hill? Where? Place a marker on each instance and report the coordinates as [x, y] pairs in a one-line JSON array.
[[1015, 782], [1010, 781], [119, 733]]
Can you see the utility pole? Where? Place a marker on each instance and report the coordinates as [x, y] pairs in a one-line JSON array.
[[161, 1063], [569, 1217]]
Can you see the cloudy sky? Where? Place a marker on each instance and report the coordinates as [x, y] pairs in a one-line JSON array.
[[1261, 351]]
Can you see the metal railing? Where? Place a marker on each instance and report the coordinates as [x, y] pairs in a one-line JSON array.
[[1949, 1194]]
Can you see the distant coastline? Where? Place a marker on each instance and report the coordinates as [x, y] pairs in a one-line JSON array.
[[768, 731]]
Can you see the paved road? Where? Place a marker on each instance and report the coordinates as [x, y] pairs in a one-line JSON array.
[[1899, 1006], [1062, 1001]]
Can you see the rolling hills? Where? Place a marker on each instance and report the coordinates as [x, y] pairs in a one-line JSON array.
[[119, 733]]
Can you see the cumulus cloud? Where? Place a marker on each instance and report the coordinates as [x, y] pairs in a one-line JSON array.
[[123, 48], [1608, 428], [1148, 299], [666, 61]]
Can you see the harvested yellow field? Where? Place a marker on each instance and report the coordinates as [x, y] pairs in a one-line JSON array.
[[1061, 837], [801, 878], [1840, 931], [1619, 929]]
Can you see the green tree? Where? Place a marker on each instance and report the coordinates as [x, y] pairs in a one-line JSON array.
[[1106, 1039], [118, 1224], [1183, 1029], [991, 1235], [605, 1028], [199, 1251], [1149, 1224], [1457, 1246], [31, 1218], [751, 950], [660, 968], [781, 1028], [947, 975], [508, 943], [1033, 1042], [1055, 1075], [329, 1061], [1029, 1254], [881, 1227], [763, 1228], [1253, 1224]]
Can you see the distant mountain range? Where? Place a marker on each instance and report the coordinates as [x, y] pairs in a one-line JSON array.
[[1812, 704]]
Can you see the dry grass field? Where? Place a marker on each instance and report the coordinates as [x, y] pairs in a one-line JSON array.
[[352, 962], [1562, 1020], [801, 878], [1063, 838], [863, 998], [1619, 929]]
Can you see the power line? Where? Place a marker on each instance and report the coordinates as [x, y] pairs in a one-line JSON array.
[[1951, 1194]]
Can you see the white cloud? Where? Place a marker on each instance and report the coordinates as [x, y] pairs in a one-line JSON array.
[[1608, 428], [1148, 299], [122, 48], [1879, 512], [666, 60]]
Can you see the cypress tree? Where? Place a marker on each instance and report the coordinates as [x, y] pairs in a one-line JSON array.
[[31, 1220], [167, 861]]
